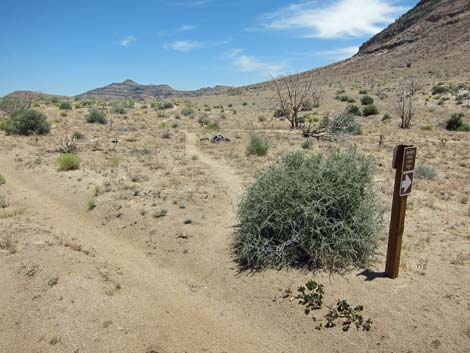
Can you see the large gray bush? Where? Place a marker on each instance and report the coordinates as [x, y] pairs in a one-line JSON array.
[[312, 211]]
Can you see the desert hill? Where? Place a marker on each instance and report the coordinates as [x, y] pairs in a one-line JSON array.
[[132, 89], [432, 39]]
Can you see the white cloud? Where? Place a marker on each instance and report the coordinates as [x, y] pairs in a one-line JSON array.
[[184, 45], [248, 63], [126, 41], [339, 53], [186, 28], [334, 19]]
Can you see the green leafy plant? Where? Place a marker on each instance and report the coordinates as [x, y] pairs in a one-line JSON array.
[[311, 211], [348, 316], [310, 296], [257, 146], [68, 161], [2, 180]]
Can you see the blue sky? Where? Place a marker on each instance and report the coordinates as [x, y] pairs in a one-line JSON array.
[[68, 47]]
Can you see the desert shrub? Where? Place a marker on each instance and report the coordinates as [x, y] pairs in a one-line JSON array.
[[2, 180], [307, 144], [455, 123], [244, 104], [187, 111], [175, 124], [427, 127], [309, 211], [257, 146], [118, 109], [279, 113], [213, 125], [203, 120], [439, 90], [424, 171], [163, 105], [78, 136], [77, 105], [367, 100], [65, 106], [68, 161], [90, 205], [345, 99], [386, 117], [362, 91], [261, 119], [343, 123], [354, 110], [63, 114], [96, 117], [370, 110], [27, 122]]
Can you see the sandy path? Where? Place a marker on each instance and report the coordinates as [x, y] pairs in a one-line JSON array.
[[191, 322]]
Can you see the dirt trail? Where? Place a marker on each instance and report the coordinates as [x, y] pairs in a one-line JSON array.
[[155, 297], [223, 172]]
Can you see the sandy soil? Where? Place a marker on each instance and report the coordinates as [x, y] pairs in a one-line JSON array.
[[150, 269]]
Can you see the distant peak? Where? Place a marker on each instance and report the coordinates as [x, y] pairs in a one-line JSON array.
[[130, 82]]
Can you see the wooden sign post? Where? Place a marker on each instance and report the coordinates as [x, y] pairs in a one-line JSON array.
[[404, 163]]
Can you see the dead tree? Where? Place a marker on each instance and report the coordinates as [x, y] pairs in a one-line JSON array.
[[293, 95], [404, 106]]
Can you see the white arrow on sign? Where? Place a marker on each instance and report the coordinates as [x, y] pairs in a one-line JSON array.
[[405, 184]]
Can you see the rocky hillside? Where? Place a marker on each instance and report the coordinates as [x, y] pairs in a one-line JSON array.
[[132, 89], [432, 41], [438, 19]]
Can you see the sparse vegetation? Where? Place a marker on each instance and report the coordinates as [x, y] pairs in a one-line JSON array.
[[455, 123], [96, 117], [386, 117], [90, 205], [257, 146], [65, 106], [309, 211], [424, 171], [68, 161], [369, 110], [367, 100], [343, 123], [2, 180]]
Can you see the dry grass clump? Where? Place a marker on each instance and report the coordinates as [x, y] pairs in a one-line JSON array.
[[313, 211], [68, 161], [257, 146]]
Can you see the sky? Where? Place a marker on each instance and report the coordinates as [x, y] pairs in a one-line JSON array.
[[68, 47]]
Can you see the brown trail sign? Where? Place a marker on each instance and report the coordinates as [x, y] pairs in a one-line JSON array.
[[404, 162]]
